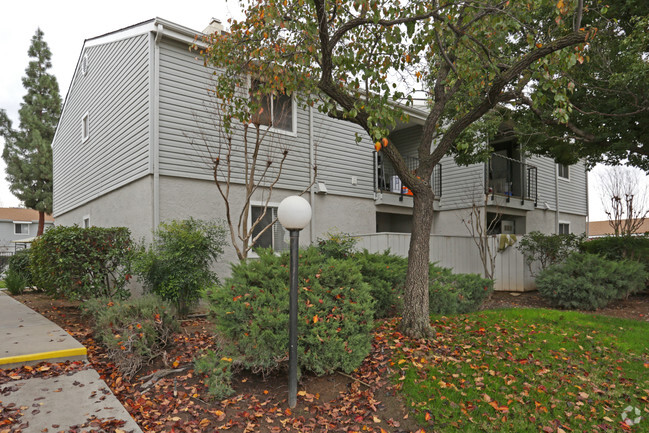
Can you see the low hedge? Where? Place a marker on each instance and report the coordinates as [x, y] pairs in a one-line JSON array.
[[134, 331], [82, 263], [589, 281], [386, 276], [251, 315], [451, 293]]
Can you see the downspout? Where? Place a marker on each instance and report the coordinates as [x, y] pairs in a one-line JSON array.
[[156, 127], [556, 197], [587, 206], [311, 179]]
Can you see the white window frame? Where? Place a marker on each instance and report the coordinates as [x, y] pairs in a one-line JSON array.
[[85, 127], [293, 131], [86, 218], [564, 223], [269, 206], [567, 169], [22, 223]]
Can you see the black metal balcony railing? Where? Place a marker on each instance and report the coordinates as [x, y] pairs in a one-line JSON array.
[[386, 178], [512, 178]]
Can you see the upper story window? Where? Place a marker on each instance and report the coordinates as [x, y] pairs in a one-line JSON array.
[[21, 228], [277, 111], [564, 171], [274, 237], [85, 127]]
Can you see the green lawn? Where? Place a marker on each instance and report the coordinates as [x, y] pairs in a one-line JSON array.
[[527, 370], [3, 285]]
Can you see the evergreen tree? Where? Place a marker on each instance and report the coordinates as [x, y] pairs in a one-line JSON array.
[[28, 150]]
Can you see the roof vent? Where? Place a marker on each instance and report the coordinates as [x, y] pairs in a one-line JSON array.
[[215, 26]]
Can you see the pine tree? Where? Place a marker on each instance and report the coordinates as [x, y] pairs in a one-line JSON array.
[[28, 150]]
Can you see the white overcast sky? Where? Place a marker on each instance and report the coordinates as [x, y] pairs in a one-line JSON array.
[[66, 24]]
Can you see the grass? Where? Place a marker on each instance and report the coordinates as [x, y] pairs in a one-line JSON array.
[[3, 285], [527, 370]]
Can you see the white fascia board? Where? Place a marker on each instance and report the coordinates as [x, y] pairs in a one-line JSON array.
[[129, 32]]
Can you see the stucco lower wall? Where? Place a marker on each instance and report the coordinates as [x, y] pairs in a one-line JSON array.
[[129, 206], [449, 222], [544, 221], [183, 198]]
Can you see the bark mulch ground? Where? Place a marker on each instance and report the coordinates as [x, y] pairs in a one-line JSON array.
[[363, 401]]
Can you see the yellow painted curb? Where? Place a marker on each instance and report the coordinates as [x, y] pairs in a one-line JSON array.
[[80, 351]]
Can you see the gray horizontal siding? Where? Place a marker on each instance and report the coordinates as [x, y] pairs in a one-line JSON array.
[[407, 141], [573, 197], [461, 185], [545, 169], [186, 115], [114, 93]]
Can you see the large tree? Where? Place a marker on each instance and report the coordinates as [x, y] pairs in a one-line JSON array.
[[366, 61], [28, 150], [607, 116]]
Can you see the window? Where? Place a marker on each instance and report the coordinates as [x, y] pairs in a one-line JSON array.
[[86, 222], [564, 228], [276, 237], [21, 228], [276, 110], [85, 127], [564, 171]]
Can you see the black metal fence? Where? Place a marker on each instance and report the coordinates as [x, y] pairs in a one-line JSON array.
[[511, 178], [388, 180]]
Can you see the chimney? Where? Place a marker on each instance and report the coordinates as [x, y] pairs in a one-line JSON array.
[[215, 26]]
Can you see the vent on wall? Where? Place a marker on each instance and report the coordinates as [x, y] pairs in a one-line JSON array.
[[84, 64], [507, 227]]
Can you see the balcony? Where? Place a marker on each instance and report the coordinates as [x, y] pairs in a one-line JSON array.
[[390, 187], [511, 182]]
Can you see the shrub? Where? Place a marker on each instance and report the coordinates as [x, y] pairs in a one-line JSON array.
[[20, 263], [4, 261], [588, 281], [177, 266], [335, 313], [547, 250], [15, 282], [337, 245], [386, 275], [82, 263], [451, 293], [134, 332], [620, 248], [219, 374]]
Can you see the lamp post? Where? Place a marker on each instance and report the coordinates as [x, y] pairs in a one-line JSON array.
[[294, 213]]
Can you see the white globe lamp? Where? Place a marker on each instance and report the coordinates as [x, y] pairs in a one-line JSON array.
[[294, 213]]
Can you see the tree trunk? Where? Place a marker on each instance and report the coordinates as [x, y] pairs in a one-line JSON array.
[[41, 223], [416, 315]]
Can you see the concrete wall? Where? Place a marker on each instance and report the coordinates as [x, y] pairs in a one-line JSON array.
[[181, 198], [129, 206]]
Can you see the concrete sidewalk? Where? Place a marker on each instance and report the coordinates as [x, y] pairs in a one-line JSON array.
[[28, 338], [74, 401]]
